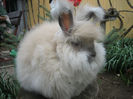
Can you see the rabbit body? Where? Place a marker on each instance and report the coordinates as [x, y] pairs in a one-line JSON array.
[[49, 62]]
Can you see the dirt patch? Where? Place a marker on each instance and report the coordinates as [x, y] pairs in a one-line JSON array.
[[6, 62], [5, 58], [112, 87]]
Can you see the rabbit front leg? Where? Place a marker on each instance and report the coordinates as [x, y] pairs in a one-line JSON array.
[[24, 94], [61, 97], [90, 92]]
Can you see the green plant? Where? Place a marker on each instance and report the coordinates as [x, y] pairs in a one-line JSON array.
[[9, 41], [8, 86], [112, 36], [120, 58]]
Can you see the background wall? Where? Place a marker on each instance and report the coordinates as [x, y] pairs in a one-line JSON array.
[[34, 11]]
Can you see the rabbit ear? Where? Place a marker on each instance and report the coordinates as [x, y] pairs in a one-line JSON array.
[[87, 12], [60, 6], [91, 15], [96, 13], [66, 22]]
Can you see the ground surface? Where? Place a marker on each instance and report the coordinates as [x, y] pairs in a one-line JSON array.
[[110, 85]]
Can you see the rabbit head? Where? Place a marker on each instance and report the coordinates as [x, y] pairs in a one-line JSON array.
[[76, 42], [79, 50]]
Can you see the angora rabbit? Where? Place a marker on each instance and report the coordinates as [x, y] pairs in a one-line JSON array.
[[60, 59]]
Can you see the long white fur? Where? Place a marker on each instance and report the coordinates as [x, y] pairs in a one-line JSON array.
[[47, 64], [86, 9]]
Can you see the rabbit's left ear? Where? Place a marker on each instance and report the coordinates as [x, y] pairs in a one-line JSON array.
[[66, 22]]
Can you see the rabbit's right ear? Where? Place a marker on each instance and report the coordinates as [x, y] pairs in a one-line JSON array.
[[88, 12], [66, 22]]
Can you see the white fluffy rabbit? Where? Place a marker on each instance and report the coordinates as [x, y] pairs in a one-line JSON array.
[[60, 59]]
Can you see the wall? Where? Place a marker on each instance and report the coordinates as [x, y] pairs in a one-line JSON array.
[[34, 10]]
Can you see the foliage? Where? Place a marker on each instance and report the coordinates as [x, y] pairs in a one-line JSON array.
[[120, 57], [112, 36], [6, 38], [8, 86], [2, 10], [9, 41]]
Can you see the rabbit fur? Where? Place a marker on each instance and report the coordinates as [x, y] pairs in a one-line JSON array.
[[59, 6], [59, 63]]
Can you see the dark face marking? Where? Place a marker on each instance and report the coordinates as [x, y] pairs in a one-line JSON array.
[[84, 45], [92, 53], [91, 49], [76, 44]]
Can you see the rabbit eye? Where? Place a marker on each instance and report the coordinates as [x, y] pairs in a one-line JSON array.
[[76, 44]]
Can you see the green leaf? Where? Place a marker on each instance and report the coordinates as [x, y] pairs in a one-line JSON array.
[[41, 6]]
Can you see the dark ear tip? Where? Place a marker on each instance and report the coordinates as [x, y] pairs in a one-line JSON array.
[[90, 15], [50, 1]]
